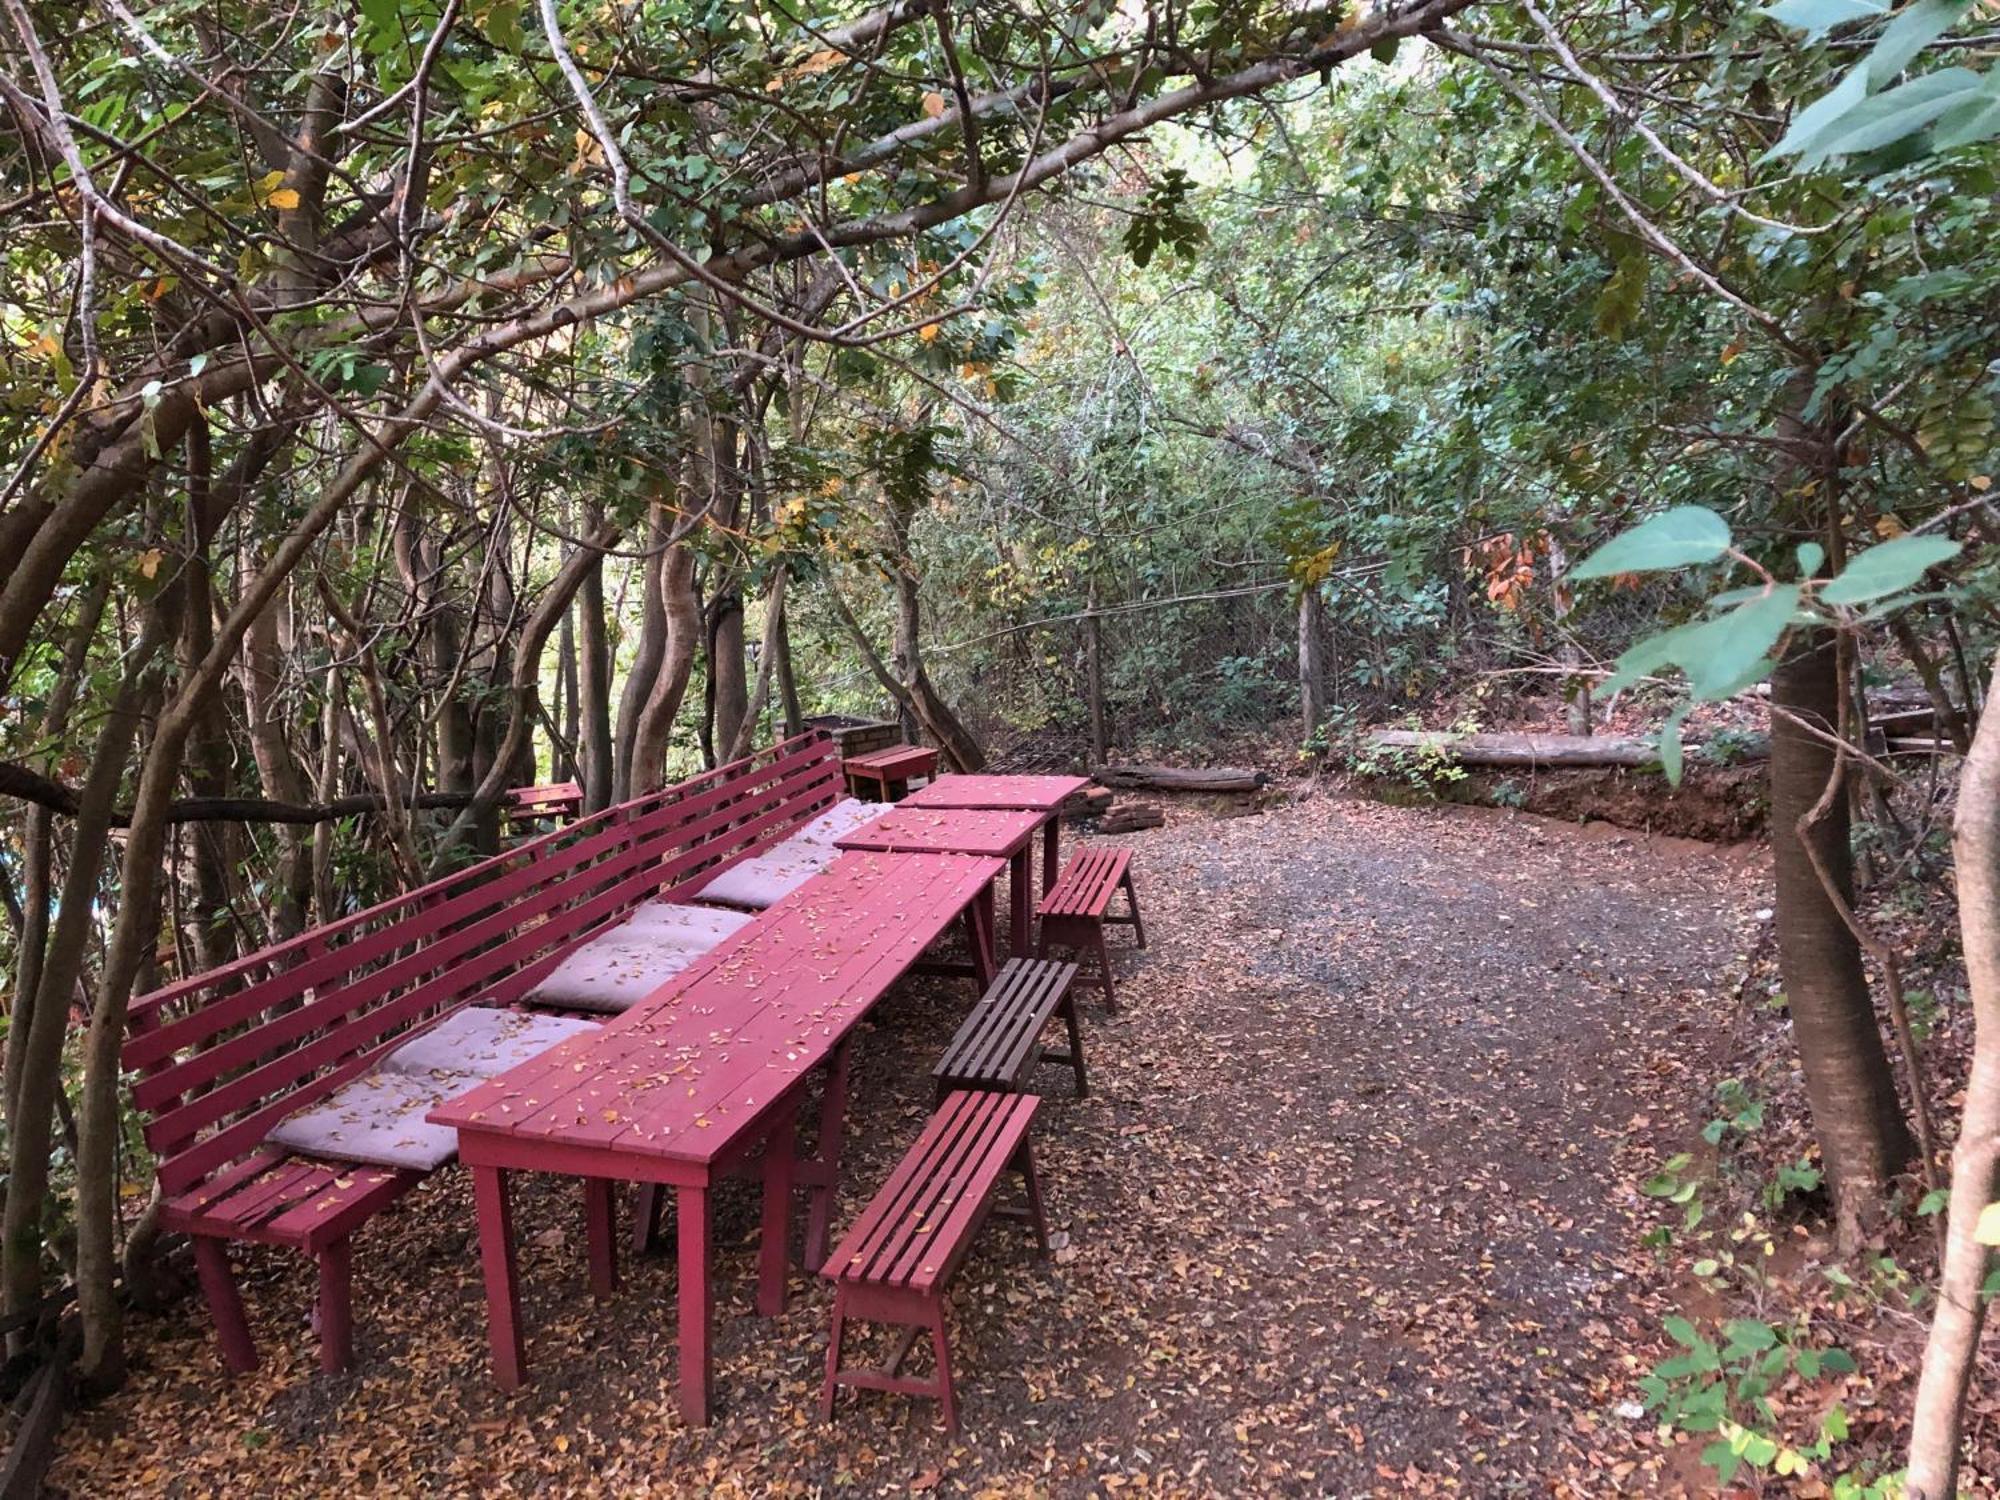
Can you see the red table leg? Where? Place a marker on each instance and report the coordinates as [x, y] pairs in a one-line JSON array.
[[826, 1171], [1051, 836], [774, 1238], [693, 1215], [1018, 900], [496, 1254], [600, 1223]]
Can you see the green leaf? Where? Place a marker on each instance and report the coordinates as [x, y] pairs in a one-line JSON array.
[[1895, 113], [1811, 555], [1684, 535], [1385, 50], [1724, 655], [1681, 1331], [1915, 28], [1933, 1202], [1749, 1333], [1817, 17], [1976, 118], [1822, 114], [1888, 569], [1670, 759]]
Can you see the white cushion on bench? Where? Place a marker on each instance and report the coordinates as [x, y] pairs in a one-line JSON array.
[[378, 1119], [842, 819], [483, 1042], [696, 927], [766, 879], [614, 972]]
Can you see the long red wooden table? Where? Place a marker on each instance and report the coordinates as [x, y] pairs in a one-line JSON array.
[[992, 833], [1042, 794], [682, 1087]]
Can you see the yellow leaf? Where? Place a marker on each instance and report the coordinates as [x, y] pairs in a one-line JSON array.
[[1987, 1231], [933, 105], [928, 332], [1981, 482], [1888, 526], [284, 198], [149, 562]]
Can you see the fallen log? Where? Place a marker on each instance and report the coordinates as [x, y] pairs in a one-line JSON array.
[[1180, 779], [1130, 817], [1532, 751]]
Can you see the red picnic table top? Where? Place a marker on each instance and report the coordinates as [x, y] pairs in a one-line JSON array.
[[995, 832], [694, 1076], [1041, 792]]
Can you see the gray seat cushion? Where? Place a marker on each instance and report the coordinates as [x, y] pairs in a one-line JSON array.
[[842, 819], [766, 879], [614, 972], [378, 1119], [696, 927], [483, 1042]]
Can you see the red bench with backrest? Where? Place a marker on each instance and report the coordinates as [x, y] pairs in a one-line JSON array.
[[221, 1058], [1077, 907], [558, 802], [897, 1263]]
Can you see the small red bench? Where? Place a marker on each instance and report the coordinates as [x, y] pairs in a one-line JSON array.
[[897, 1263], [888, 772], [558, 802], [1077, 907], [223, 1058], [1000, 1044]]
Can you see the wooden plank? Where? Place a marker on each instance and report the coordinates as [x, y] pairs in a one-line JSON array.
[[1043, 793], [996, 832]]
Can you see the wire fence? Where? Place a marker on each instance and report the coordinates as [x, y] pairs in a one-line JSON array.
[[1165, 678]]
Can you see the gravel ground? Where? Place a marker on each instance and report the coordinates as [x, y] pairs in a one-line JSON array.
[[1351, 1210]]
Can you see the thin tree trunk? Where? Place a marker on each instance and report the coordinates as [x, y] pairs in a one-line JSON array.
[[642, 676], [1952, 1352], [725, 672], [1856, 1117], [593, 684], [774, 621], [41, 1066], [788, 687], [681, 634], [1093, 681]]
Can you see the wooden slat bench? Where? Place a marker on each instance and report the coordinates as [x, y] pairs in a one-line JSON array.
[[221, 1059], [887, 773], [1078, 905], [897, 1263], [558, 803], [1000, 1044]]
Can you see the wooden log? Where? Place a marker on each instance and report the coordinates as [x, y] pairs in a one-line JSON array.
[[1130, 817], [1530, 750], [1091, 802], [42, 1403], [1180, 779]]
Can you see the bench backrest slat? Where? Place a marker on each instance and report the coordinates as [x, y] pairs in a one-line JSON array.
[[222, 1056]]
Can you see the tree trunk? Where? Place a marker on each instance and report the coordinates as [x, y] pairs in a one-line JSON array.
[[1093, 680], [767, 656], [593, 687], [960, 749], [29, 1130], [1952, 1352], [642, 677], [726, 674], [1856, 1117], [1312, 659], [680, 613], [788, 687]]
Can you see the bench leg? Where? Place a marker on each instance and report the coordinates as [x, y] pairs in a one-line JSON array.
[[600, 1227], [833, 1344], [1037, 1219], [1074, 1023], [225, 1305], [941, 1348], [1132, 902], [1104, 970], [336, 1306]]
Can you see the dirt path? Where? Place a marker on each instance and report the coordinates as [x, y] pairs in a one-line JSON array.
[[1350, 1211]]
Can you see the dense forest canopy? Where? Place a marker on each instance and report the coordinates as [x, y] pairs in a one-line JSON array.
[[409, 401]]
